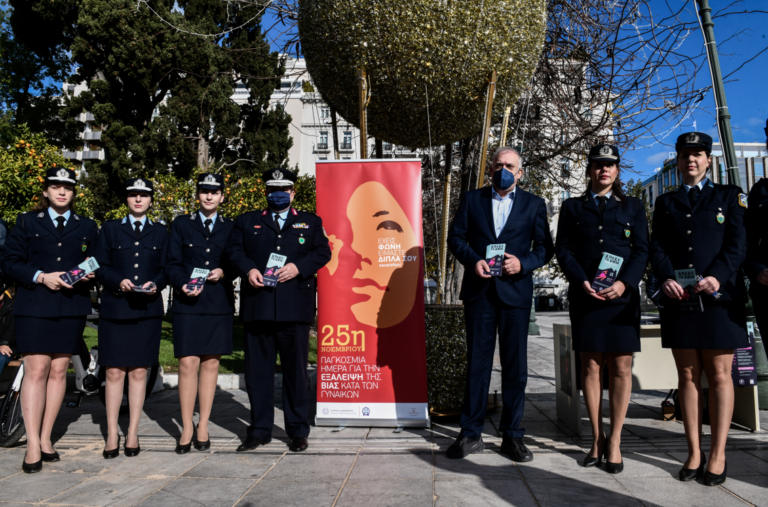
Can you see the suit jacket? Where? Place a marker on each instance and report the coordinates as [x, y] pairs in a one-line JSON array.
[[123, 256], [710, 238], [526, 236], [35, 245], [302, 239], [191, 247], [583, 236], [757, 238]]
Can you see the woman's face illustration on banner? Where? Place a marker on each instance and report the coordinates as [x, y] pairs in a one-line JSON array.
[[389, 268]]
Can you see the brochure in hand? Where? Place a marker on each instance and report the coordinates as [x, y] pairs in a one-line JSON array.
[[691, 303], [140, 288], [607, 271], [197, 278], [494, 257], [79, 272], [274, 263]]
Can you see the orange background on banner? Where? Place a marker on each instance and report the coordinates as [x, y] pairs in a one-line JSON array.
[[394, 334]]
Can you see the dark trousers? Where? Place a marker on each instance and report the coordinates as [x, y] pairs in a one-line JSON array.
[[263, 340], [761, 316], [483, 318]]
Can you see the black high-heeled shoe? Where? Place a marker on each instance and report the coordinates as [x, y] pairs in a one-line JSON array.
[[31, 468], [711, 479], [199, 445], [112, 453], [132, 451], [691, 474], [50, 457], [612, 468], [589, 461]]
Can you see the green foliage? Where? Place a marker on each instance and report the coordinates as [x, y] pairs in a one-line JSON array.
[[446, 356], [22, 168]]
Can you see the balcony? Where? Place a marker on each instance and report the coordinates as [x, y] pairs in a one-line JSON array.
[[72, 155], [93, 155], [346, 147], [91, 136], [85, 117], [322, 147]]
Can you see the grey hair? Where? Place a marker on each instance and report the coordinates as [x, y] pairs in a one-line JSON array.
[[507, 149]]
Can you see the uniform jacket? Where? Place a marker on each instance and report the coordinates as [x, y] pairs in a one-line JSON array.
[[7, 327], [710, 238], [252, 240], [526, 235], [582, 237], [122, 256], [757, 238], [191, 247], [35, 245]]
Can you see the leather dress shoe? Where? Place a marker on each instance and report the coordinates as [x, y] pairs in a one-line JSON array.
[[711, 479], [691, 474], [112, 453], [464, 446], [612, 468], [516, 450], [298, 444], [183, 449], [50, 457], [199, 444], [31, 468], [132, 451], [251, 443], [589, 461]]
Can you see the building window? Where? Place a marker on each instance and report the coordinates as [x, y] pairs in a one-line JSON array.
[[650, 194], [322, 143], [325, 113], [322, 158], [759, 169], [565, 169], [346, 143], [666, 180], [743, 174]]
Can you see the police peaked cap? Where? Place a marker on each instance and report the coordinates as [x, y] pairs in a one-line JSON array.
[[604, 153], [139, 185], [279, 177], [209, 181], [60, 175], [694, 140]]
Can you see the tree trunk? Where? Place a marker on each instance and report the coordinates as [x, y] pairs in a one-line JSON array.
[[202, 152]]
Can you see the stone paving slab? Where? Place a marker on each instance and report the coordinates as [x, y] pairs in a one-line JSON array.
[[378, 466]]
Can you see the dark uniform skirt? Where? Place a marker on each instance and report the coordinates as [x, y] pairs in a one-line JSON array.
[[718, 327], [202, 335], [605, 327], [129, 342], [54, 335]]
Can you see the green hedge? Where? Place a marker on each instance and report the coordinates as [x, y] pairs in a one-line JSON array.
[[446, 356]]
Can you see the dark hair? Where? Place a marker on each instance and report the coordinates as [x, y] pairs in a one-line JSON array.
[[616, 186], [43, 203], [150, 194]]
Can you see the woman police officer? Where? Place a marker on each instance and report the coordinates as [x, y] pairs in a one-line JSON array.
[[49, 313], [699, 235], [203, 318], [131, 253], [756, 264], [605, 323]]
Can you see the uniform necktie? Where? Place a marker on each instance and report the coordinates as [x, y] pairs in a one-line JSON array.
[[137, 228], [60, 225], [277, 222], [208, 223], [601, 201], [693, 194]]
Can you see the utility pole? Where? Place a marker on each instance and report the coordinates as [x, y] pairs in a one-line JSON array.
[[491, 91], [362, 96], [723, 116]]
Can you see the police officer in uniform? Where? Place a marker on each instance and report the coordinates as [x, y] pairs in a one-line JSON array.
[[756, 264], [605, 324], [700, 227], [203, 318], [49, 313], [131, 252], [277, 319]]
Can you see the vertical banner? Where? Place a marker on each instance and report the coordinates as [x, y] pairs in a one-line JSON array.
[[371, 345]]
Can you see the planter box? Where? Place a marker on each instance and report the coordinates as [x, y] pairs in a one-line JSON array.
[[446, 357]]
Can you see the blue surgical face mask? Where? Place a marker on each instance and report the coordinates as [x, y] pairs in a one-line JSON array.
[[279, 200], [503, 179]]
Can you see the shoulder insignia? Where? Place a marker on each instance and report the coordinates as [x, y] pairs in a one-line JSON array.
[[325, 233], [76, 217], [294, 212], [264, 213], [617, 198], [40, 215], [192, 216], [585, 198], [743, 200], [710, 184]]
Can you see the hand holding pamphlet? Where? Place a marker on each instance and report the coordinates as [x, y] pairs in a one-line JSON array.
[[274, 263], [690, 302], [80, 271], [607, 271], [140, 288], [494, 257], [197, 279]]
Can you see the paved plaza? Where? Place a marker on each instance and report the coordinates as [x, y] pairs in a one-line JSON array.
[[378, 466]]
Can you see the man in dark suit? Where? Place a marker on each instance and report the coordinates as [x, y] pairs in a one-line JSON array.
[[507, 215], [277, 319]]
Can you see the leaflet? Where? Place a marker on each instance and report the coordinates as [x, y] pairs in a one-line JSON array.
[[140, 288], [274, 263], [197, 278], [686, 277], [690, 302], [607, 271], [494, 257], [79, 272]]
